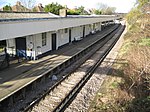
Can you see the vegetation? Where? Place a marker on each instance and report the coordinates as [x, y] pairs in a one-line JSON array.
[[104, 9], [7, 8], [53, 8], [77, 11], [80, 10], [72, 12], [28, 4], [1, 49], [127, 87], [98, 12]]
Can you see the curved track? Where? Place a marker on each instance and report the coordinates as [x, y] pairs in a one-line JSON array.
[[62, 93]]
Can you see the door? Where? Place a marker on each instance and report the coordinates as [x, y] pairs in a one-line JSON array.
[[21, 46], [69, 35], [2, 43], [83, 31], [54, 41]]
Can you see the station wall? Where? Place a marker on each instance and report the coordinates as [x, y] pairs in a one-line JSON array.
[[11, 46], [87, 30], [34, 42], [62, 37]]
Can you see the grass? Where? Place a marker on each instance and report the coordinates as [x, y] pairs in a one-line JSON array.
[[104, 101], [144, 42], [126, 46], [140, 105], [127, 86], [115, 84], [114, 96]]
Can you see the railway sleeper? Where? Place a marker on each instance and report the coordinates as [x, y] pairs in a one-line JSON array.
[[22, 93]]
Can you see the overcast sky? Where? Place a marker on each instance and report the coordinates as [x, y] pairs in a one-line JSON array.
[[121, 5]]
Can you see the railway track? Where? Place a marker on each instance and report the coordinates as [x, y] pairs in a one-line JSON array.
[[58, 97], [21, 93]]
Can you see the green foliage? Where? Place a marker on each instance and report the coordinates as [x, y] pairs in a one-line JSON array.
[[1, 49], [97, 12], [142, 2], [115, 84], [72, 12], [108, 10], [136, 13], [145, 42], [140, 105], [7, 8], [34, 10], [28, 4], [80, 10], [53, 8], [104, 9], [133, 16]]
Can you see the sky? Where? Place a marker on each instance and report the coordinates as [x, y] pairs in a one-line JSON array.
[[121, 5]]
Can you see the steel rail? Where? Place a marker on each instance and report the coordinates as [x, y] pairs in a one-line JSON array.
[[69, 98], [36, 101], [65, 61]]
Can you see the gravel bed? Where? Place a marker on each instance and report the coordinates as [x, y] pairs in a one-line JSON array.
[[42, 87], [60, 92], [86, 94]]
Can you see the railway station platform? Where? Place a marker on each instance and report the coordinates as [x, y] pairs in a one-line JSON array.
[[19, 75]]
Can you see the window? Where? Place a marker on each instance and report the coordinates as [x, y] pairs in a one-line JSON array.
[[43, 39], [66, 30]]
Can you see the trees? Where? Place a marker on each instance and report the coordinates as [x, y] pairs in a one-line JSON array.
[[141, 3], [19, 7], [53, 8], [104, 9], [7, 8], [78, 11], [28, 4], [108, 10], [136, 13], [97, 12], [72, 12], [133, 16]]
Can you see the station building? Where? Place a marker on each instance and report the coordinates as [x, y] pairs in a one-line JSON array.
[[34, 34]]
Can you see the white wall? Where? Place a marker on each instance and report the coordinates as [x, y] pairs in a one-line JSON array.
[[73, 33], [76, 32], [11, 46], [98, 26], [87, 30], [80, 30], [62, 37], [29, 45], [47, 47], [38, 44], [38, 48]]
